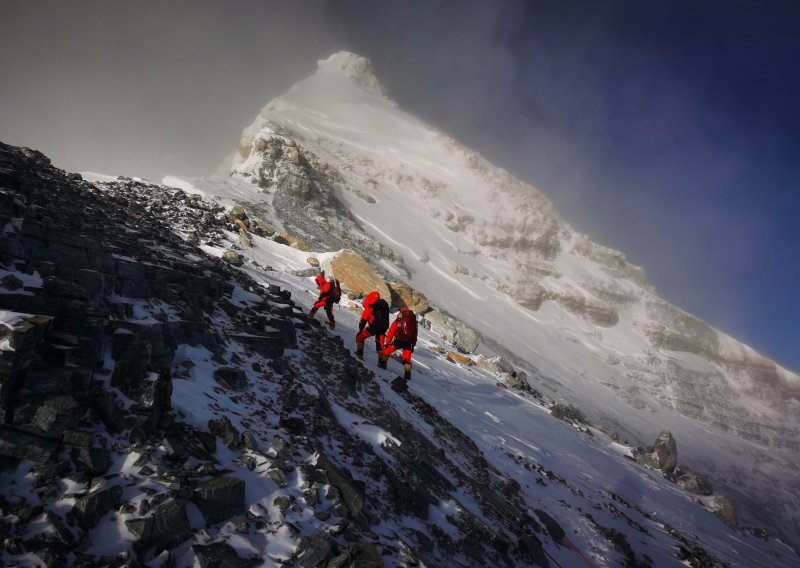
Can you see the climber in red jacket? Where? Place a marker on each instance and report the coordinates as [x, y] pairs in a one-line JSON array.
[[325, 299], [402, 335], [375, 324], [366, 314]]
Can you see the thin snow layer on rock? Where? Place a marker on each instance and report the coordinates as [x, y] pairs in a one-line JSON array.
[[474, 239], [10, 319], [370, 433], [24, 280]]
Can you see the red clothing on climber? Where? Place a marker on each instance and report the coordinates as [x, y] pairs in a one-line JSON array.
[[366, 314], [325, 299], [402, 335], [375, 325]]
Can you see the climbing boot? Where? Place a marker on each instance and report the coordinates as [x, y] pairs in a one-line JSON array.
[[360, 350], [399, 384], [407, 371], [312, 313], [382, 360]]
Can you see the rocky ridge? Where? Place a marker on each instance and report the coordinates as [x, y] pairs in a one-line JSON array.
[[302, 196]]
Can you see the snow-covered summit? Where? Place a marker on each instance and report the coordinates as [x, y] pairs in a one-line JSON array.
[[355, 67], [341, 79]]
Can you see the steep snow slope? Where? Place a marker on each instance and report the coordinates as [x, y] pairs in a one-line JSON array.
[[516, 434], [578, 477], [613, 511], [491, 250]]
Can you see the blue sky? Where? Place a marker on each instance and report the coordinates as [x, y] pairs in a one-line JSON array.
[[666, 130]]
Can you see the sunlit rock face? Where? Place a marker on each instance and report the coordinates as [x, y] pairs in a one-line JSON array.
[[404, 296], [356, 276], [302, 192]]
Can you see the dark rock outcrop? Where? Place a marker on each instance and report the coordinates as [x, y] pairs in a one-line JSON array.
[[692, 481], [312, 551], [567, 412], [108, 293], [464, 338], [220, 498], [165, 527], [305, 201], [221, 555], [663, 454], [89, 509]]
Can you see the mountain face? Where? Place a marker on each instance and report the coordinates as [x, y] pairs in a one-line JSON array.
[[339, 163], [167, 401]]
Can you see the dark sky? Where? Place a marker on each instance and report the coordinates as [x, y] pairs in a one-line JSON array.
[[667, 130]]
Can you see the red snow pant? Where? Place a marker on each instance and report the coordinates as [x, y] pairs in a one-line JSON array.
[[366, 333], [394, 346], [327, 303]]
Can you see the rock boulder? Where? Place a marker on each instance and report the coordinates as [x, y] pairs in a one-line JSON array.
[[232, 257], [404, 296], [356, 276], [663, 454], [89, 509], [494, 364], [458, 358], [220, 498], [567, 412], [666, 449], [292, 241], [463, 337], [532, 296], [692, 481]]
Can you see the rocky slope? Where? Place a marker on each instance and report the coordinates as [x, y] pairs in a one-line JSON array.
[[103, 304], [343, 165]]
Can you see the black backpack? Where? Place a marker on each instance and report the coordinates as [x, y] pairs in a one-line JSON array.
[[406, 326], [380, 317], [336, 290]]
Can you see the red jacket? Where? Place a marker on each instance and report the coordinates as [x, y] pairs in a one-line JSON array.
[[320, 281], [371, 298], [324, 288]]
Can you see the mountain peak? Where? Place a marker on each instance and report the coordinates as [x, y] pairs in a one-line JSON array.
[[355, 67]]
